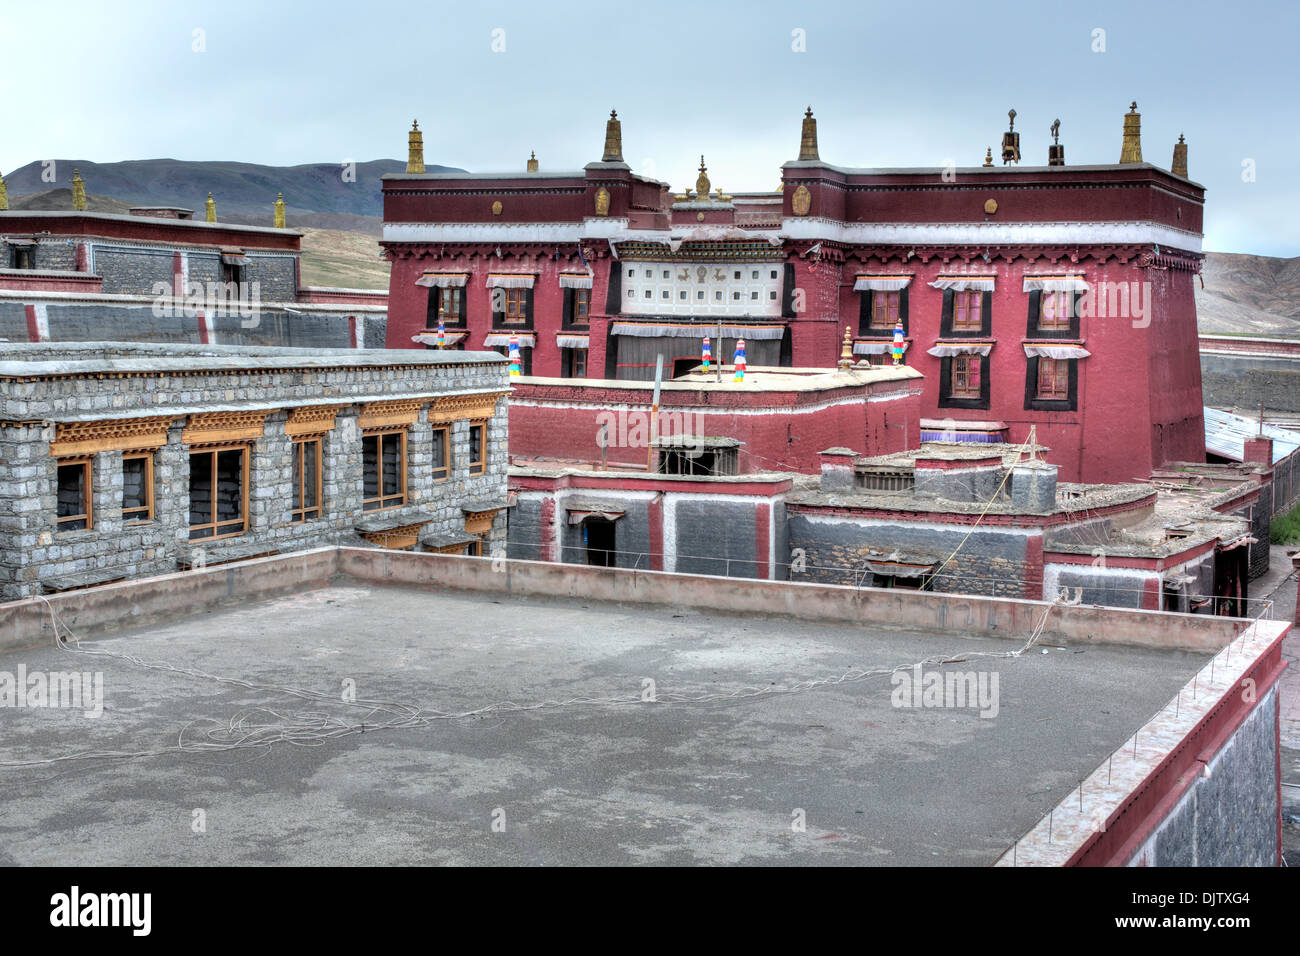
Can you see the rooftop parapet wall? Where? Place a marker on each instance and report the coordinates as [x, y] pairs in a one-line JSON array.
[[89, 225]]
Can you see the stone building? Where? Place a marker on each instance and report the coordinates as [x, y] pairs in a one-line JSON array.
[[120, 461], [158, 275]]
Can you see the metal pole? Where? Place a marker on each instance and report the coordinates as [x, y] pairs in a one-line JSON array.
[[654, 414]]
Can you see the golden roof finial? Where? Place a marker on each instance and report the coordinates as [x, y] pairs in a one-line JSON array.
[[4, 195], [279, 211], [1011, 141], [1179, 167], [212, 209], [988, 158], [613, 139], [702, 183], [1056, 152], [808, 139], [415, 149], [78, 191], [532, 160], [846, 350], [1131, 150]]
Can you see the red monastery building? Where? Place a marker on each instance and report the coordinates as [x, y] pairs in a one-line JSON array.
[[1054, 297]]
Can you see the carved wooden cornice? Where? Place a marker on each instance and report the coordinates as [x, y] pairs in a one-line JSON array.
[[401, 411], [120, 434], [210, 428], [455, 407], [310, 420]]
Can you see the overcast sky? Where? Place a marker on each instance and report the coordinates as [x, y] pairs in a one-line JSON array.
[[892, 84]]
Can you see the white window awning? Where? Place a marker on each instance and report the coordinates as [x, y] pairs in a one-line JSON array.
[[1056, 351], [1070, 283], [949, 349], [504, 280], [443, 280], [575, 280], [880, 283], [431, 338], [964, 283], [572, 341], [497, 339], [883, 347]]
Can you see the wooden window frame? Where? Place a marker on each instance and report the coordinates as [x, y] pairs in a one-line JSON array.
[[445, 467], [397, 500], [131, 515], [575, 362], [300, 513], [455, 296], [885, 318], [964, 365], [581, 307], [948, 327], [246, 455], [477, 456], [867, 325], [1053, 380], [966, 303], [1036, 330], [516, 307], [87, 464], [1068, 403], [947, 378]]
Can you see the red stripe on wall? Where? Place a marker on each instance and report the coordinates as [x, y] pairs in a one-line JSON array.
[[656, 517], [762, 537], [33, 331], [203, 329], [352, 331]]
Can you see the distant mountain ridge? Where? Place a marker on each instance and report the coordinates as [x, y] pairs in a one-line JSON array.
[[239, 189], [1249, 295]]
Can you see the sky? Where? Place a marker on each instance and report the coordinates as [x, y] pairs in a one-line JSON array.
[[891, 84]]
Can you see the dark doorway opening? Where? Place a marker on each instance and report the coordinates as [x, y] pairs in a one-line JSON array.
[[598, 537]]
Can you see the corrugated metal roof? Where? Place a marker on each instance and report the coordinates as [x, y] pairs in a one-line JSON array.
[[1226, 435]]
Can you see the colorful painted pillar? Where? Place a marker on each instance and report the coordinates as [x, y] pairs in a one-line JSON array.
[[899, 344], [514, 355], [707, 354], [442, 333], [740, 360]]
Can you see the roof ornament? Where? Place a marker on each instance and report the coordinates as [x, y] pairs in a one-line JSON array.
[[4, 195], [702, 184], [808, 139], [1179, 167], [78, 191], [415, 149], [988, 158], [212, 209], [532, 160], [613, 139], [1131, 150], [279, 211], [1056, 152], [1011, 142]]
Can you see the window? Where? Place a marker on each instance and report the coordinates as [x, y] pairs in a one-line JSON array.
[[667, 275], [448, 306], [581, 303], [441, 453], [1056, 310], [219, 492], [965, 376], [232, 273], [665, 294], [477, 448], [383, 470], [884, 310], [575, 363], [22, 258], [1053, 379], [966, 311], [74, 497], [306, 479], [137, 487], [516, 310]]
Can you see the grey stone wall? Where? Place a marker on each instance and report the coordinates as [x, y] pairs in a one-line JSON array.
[[991, 562], [716, 538], [32, 548], [1229, 381], [55, 253], [1231, 817], [525, 530], [273, 326]]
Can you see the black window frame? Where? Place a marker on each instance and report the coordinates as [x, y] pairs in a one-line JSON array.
[[866, 303], [1036, 404], [434, 307], [946, 399], [499, 318], [946, 330], [1032, 329]]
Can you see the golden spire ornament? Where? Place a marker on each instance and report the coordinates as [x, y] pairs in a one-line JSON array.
[[532, 160], [1179, 167], [808, 139], [415, 149], [212, 209], [279, 211], [702, 184], [988, 158], [78, 191], [846, 350], [4, 195], [613, 139], [1131, 150]]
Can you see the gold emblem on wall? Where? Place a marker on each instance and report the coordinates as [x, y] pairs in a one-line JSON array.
[[802, 201], [496, 208], [990, 206], [602, 201]]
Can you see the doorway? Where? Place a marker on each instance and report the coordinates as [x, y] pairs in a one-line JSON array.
[[598, 538]]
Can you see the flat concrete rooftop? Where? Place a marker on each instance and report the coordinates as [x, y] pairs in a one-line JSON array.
[[683, 782]]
